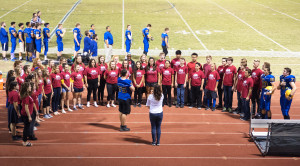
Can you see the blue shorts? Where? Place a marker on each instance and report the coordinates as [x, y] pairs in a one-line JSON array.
[[78, 90], [13, 46], [60, 46], [5, 46], [64, 90], [265, 102], [146, 46], [46, 47], [38, 47], [285, 105], [128, 45], [77, 48]]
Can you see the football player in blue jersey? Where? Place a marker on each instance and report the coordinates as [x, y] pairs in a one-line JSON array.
[[268, 88], [146, 38], [13, 39], [287, 83], [60, 32], [92, 31], [4, 40], [46, 34], [28, 41], [21, 40], [165, 41], [128, 41], [38, 40], [77, 38]]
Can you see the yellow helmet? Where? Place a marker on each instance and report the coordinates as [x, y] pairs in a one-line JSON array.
[[269, 88], [287, 93]]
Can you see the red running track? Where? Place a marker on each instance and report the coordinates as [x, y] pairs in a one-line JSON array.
[[189, 137]]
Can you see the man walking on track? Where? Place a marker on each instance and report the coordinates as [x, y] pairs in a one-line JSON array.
[[125, 86]]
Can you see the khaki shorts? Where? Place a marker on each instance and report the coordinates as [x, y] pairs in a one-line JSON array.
[[21, 47]]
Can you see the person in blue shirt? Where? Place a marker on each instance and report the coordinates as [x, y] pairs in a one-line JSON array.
[[46, 34], [38, 40], [92, 31], [287, 82], [128, 41], [147, 37], [94, 46], [108, 43], [125, 88], [165, 41], [28, 38], [266, 94], [87, 43], [33, 28], [21, 40], [13, 38], [4, 40], [60, 32], [77, 38]]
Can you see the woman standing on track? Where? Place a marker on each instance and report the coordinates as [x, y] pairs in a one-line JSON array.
[[167, 77], [56, 85], [154, 102], [92, 77], [48, 93], [152, 76], [66, 87], [102, 67], [111, 76], [77, 80], [138, 81]]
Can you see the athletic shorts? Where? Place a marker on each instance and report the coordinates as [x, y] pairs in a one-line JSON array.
[[60, 46], [64, 90], [46, 102], [21, 47], [77, 48], [78, 90], [211, 94], [29, 47], [150, 84], [38, 47], [5, 46], [124, 106]]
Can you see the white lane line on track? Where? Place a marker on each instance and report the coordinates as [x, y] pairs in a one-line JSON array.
[[250, 26], [187, 25], [215, 123], [275, 10], [129, 144], [146, 132], [15, 9]]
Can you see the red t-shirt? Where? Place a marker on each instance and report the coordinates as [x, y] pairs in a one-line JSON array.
[[56, 80], [160, 63], [49, 69], [167, 76], [24, 76], [91, 73], [241, 75], [81, 69], [47, 86], [129, 72], [102, 68], [66, 77], [212, 80], [118, 66], [20, 81], [191, 67], [221, 73], [13, 96], [34, 97], [151, 75], [77, 78], [247, 84], [40, 83], [229, 72], [196, 78], [60, 68], [256, 76], [29, 101], [144, 65], [112, 76], [181, 72], [207, 69], [175, 63], [139, 76]]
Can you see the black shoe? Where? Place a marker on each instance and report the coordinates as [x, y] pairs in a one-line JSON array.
[[170, 105], [182, 106], [207, 108], [134, 105], [188, 104], [213, 109], [177, 106], [16, 138], [102, 103], [139, 105], [124, 128], [33, 138], [219, 106], [36, 124]]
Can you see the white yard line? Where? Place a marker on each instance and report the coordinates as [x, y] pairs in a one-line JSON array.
[[250, 26], [128, 144], [123, 24], [134, 132], [188, 25], [293, 2], [15, 8], [275, 10]]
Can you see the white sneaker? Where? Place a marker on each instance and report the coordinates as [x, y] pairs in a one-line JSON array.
[[113, 105], [34, 128], [88, 104], [107, 105], [55, 113], [69, 109], [45, 58], [63, 111], [95, 104]]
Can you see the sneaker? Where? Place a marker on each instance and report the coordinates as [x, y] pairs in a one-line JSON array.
[[80, 106], [46, 116], [95, 104], [182, 106], [107, 105], [235, 112], [170, 105], [157, 144], [224, 109], [177, 106], [12, 60], [55, 113], [63, 111], [50, 116], [153, 144], [213, 109], [139, 105], [45, 58], [124, 128], [199, 108], [242, 115], [5, 59], [113, 105], [134, 105], [88, 104], [35, 128], [75, 109], [229, 110], [207, 108], [191, 106], [69, 109]]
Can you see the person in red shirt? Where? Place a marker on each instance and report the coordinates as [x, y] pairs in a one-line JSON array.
[[196, 86], [228, 82], [56, 85], [239, 81], [152, 76], [77, 80], [78, 61], [50, 65], [167, 80], [92, 77], [143, 60], [131, 62], [126, 67], [174, 64], [191, 69], [20, 80], [102, 67], [61, 62], [212, 81], [181, 77], [246, 93], [48, 93], [220, 90], [27, 70], [161, 62], [206, 71], [37, 63], [111, 76], [118, 64], [138, 82], [256, 76], [26, 112], [66, 87], [35, 113]]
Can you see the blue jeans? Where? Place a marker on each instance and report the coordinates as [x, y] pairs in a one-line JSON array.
[[227, 96], [246, 108], [156, 120], [180, 94], [40, 99], [55, 98]]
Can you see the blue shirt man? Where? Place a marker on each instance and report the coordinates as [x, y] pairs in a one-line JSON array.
[[4, 38], [284, 102], [13, 39], [92, 32], [108, 36], [128, 37], [87, 42], [77, 38], [38, 39], [164, 36], [94, 48], [46, 34], [59, 35], [20, 31], [146, 37], [165, 41]]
